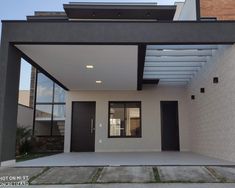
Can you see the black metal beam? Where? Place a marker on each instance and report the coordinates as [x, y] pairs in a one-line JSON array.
[[198, 10], [141, 61], [151, 81]]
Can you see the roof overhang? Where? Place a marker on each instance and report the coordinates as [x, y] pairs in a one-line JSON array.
[[117, 12], [139, 34]]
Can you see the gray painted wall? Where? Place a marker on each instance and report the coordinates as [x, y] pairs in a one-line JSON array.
[[151, 121], [212, 114]]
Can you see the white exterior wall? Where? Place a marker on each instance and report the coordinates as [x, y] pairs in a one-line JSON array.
[[151, 122], [212, 119], [189, 11]]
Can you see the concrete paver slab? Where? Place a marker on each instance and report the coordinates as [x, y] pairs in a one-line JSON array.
[[66, 175], [15, 175], [186, 174], [126, 174], [225, 173]]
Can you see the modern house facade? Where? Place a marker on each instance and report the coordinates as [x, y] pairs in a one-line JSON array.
[[138, 78]]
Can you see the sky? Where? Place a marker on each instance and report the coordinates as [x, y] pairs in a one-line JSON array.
[[19, 9]]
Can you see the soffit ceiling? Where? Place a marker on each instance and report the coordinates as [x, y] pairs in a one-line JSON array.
[[114, 65]]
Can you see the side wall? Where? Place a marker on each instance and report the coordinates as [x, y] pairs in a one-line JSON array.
[[212, 114], [189, 11], [151, 122], [222, 9]]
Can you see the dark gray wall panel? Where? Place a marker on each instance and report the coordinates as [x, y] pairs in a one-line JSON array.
[[122, 32], [9, 86]]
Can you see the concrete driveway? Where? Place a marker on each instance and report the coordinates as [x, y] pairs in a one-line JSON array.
[[116, 176]]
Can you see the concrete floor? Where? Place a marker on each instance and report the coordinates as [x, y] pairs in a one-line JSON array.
[[126, 158]]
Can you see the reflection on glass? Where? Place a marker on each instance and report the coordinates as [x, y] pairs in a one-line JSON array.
[[58, 128], [43, 112], [59, 96], [132, 121], [59, 113], [50, 98], [44, 89], [124, 119], [116, 119], [43, 120]]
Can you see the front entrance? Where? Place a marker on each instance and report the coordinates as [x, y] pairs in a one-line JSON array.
[[170, 126], [83, 127]]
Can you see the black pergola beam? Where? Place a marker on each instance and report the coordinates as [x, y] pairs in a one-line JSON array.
[[151, 81], [65, 32], [141, 62]]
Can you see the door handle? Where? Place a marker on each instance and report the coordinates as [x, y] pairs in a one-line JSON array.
[[92, 126]]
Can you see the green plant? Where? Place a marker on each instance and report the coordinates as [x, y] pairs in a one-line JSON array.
[[23, 138]]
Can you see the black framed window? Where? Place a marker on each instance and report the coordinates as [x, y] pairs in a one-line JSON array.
[[124, 119], [49, 118]]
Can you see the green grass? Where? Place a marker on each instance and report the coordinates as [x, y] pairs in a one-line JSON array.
[[30, 156], [156, 175], [97, 175]]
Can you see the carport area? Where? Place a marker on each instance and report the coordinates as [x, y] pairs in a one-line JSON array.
[[182, 57]]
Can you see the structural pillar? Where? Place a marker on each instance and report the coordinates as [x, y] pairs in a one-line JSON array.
[[9, 88]]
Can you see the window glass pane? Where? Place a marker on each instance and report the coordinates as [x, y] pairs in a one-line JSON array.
[[58, 120], [44, 89], [59, 94], [43, 120], [59, 112], [133, 122], [58, 128], [125, 119], [117, 119]]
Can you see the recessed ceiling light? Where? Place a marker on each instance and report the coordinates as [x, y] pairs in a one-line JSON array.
[[89, 66], [98, 81]]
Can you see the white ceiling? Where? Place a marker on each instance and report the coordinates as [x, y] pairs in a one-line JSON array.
[[114, 65], [176, 64]]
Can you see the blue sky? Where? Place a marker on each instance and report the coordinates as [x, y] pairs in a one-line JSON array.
[[19, 9]]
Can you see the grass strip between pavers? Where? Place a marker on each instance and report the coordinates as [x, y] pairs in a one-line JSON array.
[[36, 176], [97, 175], [156, 175], [216, 175]]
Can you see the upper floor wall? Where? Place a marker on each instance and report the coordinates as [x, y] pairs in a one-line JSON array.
[[186, 10], [220, 9]]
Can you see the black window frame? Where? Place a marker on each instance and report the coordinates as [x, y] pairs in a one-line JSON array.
[[125, 102], [52, 103]]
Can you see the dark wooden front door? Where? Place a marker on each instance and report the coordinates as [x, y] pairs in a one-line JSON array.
[[83, 127], [170, 126]]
